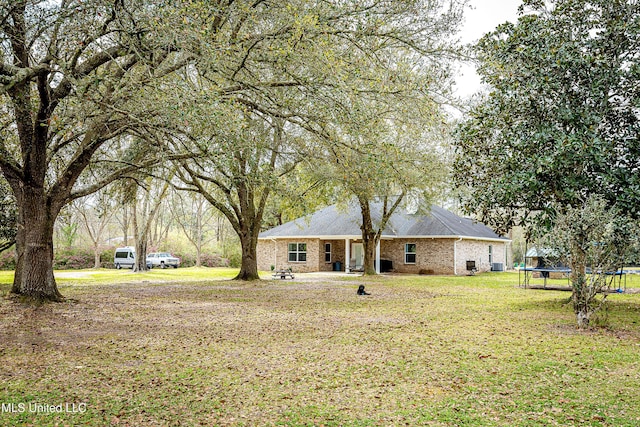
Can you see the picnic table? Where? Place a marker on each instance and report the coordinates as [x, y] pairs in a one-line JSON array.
[[283, 274]]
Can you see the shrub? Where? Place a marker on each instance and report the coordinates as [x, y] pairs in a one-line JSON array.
[[186, 259], [8, 260], [206, 260], [235, 259], [213, 260], [62, 259], [72, 259], [106, 257]]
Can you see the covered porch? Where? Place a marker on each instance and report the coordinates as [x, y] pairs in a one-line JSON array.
[[347, 254]]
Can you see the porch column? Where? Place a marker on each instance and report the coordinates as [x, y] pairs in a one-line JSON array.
[[347, 255], [275, 253], [455, 258], [378, 258]]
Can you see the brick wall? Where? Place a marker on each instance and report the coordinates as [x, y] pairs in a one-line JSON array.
[[266, 254], [433, 256], [337, 254], [277, 254], [478, 251]]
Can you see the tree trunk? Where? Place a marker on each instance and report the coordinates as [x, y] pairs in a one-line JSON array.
[[370, 235], [147, 216], [34, 269], [369, 243], [199, 255], [249, 264], [219, 230], [141, 255], [140, 263], [581, 296], [96, 256], [125, 226], [368, 238], [199, 235]]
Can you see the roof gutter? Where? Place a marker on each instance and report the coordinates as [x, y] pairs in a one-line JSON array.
[[387, 237]]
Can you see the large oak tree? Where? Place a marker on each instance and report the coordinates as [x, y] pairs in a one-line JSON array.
[[290, 70], [390, 156], [236, 171], [386, 156], [74, 75]]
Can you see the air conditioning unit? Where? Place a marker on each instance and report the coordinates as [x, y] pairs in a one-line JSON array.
[[497, 266]]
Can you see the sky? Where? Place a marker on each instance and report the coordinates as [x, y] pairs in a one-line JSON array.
[[482, 17]]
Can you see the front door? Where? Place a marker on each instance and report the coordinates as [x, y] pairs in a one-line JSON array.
[[357, 255]]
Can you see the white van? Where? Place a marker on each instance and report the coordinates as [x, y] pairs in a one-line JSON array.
[[124, 257]]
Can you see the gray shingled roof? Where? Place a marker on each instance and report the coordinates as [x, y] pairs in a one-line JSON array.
[[343, 222]]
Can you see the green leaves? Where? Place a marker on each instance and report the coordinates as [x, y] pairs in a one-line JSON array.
[[554, 146], [594, 240], [560, 121]]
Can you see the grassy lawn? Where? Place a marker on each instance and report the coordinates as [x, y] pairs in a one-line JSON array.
[[111, 276], [186, 347]]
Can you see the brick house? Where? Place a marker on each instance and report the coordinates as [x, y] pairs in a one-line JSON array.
[[438, 243]]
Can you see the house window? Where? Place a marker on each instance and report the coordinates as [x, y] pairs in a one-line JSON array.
[[410, 253], [491, 256], [297, 252], [327, 252]]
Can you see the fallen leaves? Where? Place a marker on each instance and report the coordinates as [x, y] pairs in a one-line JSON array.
[[229, 353]]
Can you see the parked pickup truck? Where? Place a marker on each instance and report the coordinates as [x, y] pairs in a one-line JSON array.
[[162, 260]]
